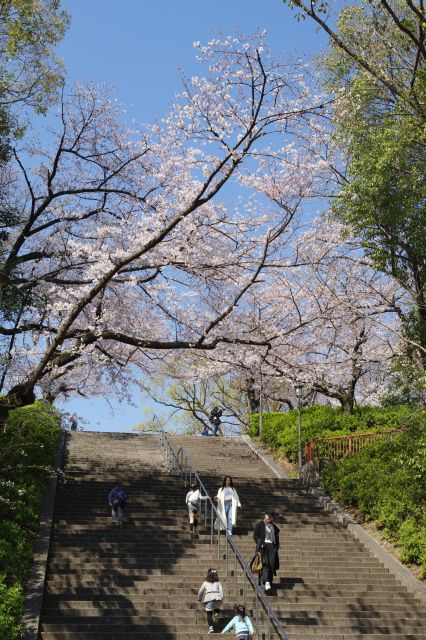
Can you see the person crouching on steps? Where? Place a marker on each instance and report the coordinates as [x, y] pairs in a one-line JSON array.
[[193, 502], [241, 623], [211, 593], [117, 500]]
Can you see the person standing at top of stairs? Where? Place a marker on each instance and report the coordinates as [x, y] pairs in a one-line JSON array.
[[117, 500], [215, 419], [267, 537], [227, 504]]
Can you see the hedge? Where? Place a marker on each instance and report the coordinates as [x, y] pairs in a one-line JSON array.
[[279, 430], [27, 449], [386, 482]]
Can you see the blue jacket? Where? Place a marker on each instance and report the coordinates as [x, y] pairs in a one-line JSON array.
[[117, 494], [240, 624]]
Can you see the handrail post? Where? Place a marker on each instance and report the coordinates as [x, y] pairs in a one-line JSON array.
[[245, 588], [269, 624], [256, 609], [235, 572], [218, 539], [226, 553], [211, 523]]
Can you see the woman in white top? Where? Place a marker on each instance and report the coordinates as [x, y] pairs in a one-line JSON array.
[[227, 504]]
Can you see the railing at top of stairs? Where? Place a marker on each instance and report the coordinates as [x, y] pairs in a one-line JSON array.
[[335, 447], [266, 621]]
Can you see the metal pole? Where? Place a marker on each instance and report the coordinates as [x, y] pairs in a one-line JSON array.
[[218, 539], [260, 404], [260, 390], [245, 588], [299, 437], [226, 553], [269, 624], [235, 572], [256, 605], [211, 523]]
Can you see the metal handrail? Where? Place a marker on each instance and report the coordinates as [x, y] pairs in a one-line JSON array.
[[180, 464]]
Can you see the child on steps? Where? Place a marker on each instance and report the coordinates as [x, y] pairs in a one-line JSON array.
[[241, 623], [193, 502], [211, 593]]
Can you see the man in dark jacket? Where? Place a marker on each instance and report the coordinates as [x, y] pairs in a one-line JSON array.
[[117, 500], [267, 537]]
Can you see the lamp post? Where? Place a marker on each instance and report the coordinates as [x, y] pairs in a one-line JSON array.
[[298, 390], [260, 403]]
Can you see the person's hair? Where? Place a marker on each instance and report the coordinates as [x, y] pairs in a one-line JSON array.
[[193, 486], [230, 482], [212, 576], [241, 610]]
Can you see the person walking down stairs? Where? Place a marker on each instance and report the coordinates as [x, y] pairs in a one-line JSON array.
[[211, 593], [267, 537], [241, 623], [193, 502], [227, 504], [117, 500]]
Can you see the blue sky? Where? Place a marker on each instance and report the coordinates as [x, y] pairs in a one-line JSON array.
[[138, 47]]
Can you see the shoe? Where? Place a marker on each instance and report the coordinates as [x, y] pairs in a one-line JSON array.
[[211, 630], [268, 586], [216, 617]]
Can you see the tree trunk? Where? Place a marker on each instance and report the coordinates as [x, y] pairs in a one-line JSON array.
[[19, 396]]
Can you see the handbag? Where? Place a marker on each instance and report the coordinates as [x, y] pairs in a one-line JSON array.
[[256, 565]]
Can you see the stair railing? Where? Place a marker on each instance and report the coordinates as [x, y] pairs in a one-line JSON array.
[[180, 465], [335, 447]]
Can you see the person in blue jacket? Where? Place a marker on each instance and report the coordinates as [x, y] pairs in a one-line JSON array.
[[117, 500], [241, 623]]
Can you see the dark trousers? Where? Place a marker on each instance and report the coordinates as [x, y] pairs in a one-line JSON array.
[[210, 616], [269, 559]]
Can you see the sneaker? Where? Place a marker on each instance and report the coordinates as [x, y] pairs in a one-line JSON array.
[[268, 586], [211, 630]]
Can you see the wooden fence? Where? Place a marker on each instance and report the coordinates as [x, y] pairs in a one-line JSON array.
[[334, 447]]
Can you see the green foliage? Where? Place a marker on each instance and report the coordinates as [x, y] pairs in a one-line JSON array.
[[10, 607], [29, 70], [386, 482], [27, 449], [280, 429], [380, 124]]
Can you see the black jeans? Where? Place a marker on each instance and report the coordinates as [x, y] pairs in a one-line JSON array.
[[210, 616], [269, 556]]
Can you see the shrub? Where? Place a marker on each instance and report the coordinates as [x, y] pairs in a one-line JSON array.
[[386, 482], [279, 430], [27, 449]]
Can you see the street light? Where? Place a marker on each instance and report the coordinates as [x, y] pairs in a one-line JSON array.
[[298, 390]]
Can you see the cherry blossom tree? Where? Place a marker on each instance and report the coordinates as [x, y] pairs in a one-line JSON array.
[[125, 250], [329, 322]]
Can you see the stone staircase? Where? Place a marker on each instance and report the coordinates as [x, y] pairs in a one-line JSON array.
[[329, 584], [140, 582]]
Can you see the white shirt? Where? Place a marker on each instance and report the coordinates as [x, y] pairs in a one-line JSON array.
[[268, 532], [228, 494]]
